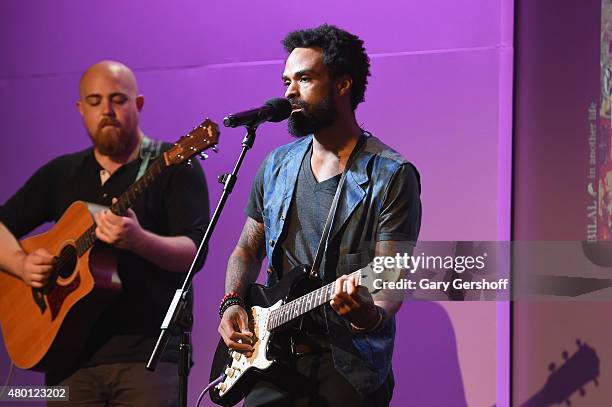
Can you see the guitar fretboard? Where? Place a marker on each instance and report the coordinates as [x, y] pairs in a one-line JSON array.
[[305, 303], [125, 201]]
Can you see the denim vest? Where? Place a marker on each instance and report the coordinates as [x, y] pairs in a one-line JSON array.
[[364, 359]]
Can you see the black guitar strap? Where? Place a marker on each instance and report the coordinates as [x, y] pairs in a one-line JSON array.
[[322, 248]]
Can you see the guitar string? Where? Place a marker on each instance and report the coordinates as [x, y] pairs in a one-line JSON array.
[[88, 238], [281, 312]]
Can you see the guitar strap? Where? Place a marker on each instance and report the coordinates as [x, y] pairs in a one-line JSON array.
[[322, 248], [149, 149]]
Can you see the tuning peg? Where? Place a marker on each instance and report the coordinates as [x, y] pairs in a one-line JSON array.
[[222, 178], [565, 355], [203, 156], [215, 148], [189, 162], [552, 367]]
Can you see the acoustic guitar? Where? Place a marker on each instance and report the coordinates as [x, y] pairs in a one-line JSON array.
[[45, 328]]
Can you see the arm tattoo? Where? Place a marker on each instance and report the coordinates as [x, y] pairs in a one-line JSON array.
[[245, 261], [252, 238]]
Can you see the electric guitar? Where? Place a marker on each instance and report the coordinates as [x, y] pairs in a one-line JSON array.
[[45, 328], [271, 312]]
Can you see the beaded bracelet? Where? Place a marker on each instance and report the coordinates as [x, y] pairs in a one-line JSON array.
[[229, 300], [231, 294]]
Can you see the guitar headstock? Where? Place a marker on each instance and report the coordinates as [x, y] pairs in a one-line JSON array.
[[202, 137], [578, 370]]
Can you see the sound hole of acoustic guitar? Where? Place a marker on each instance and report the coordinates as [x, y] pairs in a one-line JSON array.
[[67, 261]]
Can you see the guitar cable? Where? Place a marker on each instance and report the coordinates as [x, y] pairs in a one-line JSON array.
[[8, 379], [208, 387]]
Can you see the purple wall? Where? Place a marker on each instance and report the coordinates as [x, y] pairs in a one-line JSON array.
[[439, 93]]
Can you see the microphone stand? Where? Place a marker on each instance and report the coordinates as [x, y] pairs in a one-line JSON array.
[[174, 315]]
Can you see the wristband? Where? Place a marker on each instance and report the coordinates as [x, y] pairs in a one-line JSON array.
[[379, 321]]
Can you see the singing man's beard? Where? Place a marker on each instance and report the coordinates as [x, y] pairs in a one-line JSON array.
[[312, 118]]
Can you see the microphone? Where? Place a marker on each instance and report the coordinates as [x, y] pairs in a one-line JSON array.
[[274, 110]]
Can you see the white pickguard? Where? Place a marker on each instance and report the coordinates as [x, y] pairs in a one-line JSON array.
[[240, 363]]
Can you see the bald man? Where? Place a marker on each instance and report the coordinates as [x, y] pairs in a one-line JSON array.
[[156, 241]]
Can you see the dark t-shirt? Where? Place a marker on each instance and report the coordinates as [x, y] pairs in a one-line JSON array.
[[175, 204], [310, 206], [306, 218]]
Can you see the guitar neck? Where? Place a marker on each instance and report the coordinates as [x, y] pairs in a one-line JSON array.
[[305, 303], [125, 201]]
